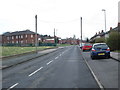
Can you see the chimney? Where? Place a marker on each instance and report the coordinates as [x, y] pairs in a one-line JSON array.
[[110, 28], [102, 31], [96, 33], [99, 32]]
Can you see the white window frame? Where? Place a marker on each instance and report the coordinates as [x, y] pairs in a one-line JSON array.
[[26, 35], [31, 35], [16, 37], [12, 37], [21, 36]]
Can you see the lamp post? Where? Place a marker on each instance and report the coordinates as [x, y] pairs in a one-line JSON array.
[[105, 19]]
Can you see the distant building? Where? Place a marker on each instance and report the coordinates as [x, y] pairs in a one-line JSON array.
[[20, 38], [105, 34]]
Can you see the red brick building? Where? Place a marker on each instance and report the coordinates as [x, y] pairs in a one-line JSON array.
[[22, 38]]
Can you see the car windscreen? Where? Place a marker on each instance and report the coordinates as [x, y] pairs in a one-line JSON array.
[[101, 46]]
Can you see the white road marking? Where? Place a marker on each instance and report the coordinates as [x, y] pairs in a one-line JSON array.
[[60, 54], [49, 62], [35, 71], [56, 57], [13, 86], [97, 80]]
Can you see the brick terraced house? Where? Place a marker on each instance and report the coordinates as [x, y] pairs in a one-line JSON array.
[[19, 38]]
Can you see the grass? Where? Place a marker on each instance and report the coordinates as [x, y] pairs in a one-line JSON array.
[[117, 51], [8, 51]]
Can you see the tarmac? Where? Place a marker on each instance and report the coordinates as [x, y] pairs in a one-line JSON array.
[[18, 59]]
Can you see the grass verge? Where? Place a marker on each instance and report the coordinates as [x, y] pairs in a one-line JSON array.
[[8, 51]]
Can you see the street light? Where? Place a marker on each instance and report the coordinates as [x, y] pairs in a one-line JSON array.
[[105, 20], [104, 17]]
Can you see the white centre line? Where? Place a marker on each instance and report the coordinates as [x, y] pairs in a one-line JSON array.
[[35, 71], [60, 55], [13, 86], [56, 57], [49, 62]]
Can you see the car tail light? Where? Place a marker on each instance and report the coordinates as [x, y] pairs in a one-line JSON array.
[[108, 49], [93, 50]]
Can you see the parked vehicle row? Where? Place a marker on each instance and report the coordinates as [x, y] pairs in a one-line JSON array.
[[96, 50]]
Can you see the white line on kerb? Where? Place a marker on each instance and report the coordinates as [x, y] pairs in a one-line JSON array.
[[97, 80], [35, 71], [49, 62], [13, 86]]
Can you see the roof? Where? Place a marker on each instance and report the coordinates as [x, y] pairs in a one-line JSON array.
[[18, 33]]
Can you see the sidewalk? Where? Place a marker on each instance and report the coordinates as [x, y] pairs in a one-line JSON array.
[[115, 55], [11, 61]]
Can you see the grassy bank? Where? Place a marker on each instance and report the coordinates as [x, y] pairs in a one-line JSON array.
[[7, 51]]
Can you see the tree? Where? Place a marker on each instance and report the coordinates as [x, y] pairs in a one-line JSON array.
[[100, 40], [114, 41]]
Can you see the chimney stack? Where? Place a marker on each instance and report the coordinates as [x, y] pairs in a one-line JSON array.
[[110, 28]]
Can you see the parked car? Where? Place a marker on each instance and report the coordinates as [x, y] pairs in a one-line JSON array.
[[87, 46], [100, 50]]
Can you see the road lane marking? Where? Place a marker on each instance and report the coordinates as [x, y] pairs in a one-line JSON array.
[[35, 71], [56, 57], [13, 86], [60, 54], [49, 62]]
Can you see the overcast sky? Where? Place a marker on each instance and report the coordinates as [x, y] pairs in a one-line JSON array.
[[63, 15]]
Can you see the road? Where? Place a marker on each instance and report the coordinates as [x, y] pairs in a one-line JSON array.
[[106, 70], [64, 68]]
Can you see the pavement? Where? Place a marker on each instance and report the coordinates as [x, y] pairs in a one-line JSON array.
[[115, 55]]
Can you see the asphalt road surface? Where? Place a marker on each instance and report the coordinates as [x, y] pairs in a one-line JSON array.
[[64, 68]]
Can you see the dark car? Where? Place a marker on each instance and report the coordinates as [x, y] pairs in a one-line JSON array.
[[100, 50], [87, 46]]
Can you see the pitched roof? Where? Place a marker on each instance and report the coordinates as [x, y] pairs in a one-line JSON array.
[[18, 33]]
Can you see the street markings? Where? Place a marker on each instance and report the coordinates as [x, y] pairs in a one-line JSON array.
[[49, 62], [35, 71], [56, 57], [13, 86], [95, 77]]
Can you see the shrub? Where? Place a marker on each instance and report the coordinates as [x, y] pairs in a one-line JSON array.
[[100, 40], [114, 41]]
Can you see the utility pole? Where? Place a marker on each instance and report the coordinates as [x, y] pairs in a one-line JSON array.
[[81, 29], [54, 37], [36, 32]]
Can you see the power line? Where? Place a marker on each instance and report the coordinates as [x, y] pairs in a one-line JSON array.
[[70, 21]]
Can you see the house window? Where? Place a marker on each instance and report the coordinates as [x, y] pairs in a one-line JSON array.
[[26, 35], [16, 41], [31, 36], [12, 37], [16, 37], [8, 38], [22, 41], [12, 41], [21, 36]]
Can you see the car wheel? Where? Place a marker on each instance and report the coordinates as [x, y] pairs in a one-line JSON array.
[[108, 56], [92, 58]]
